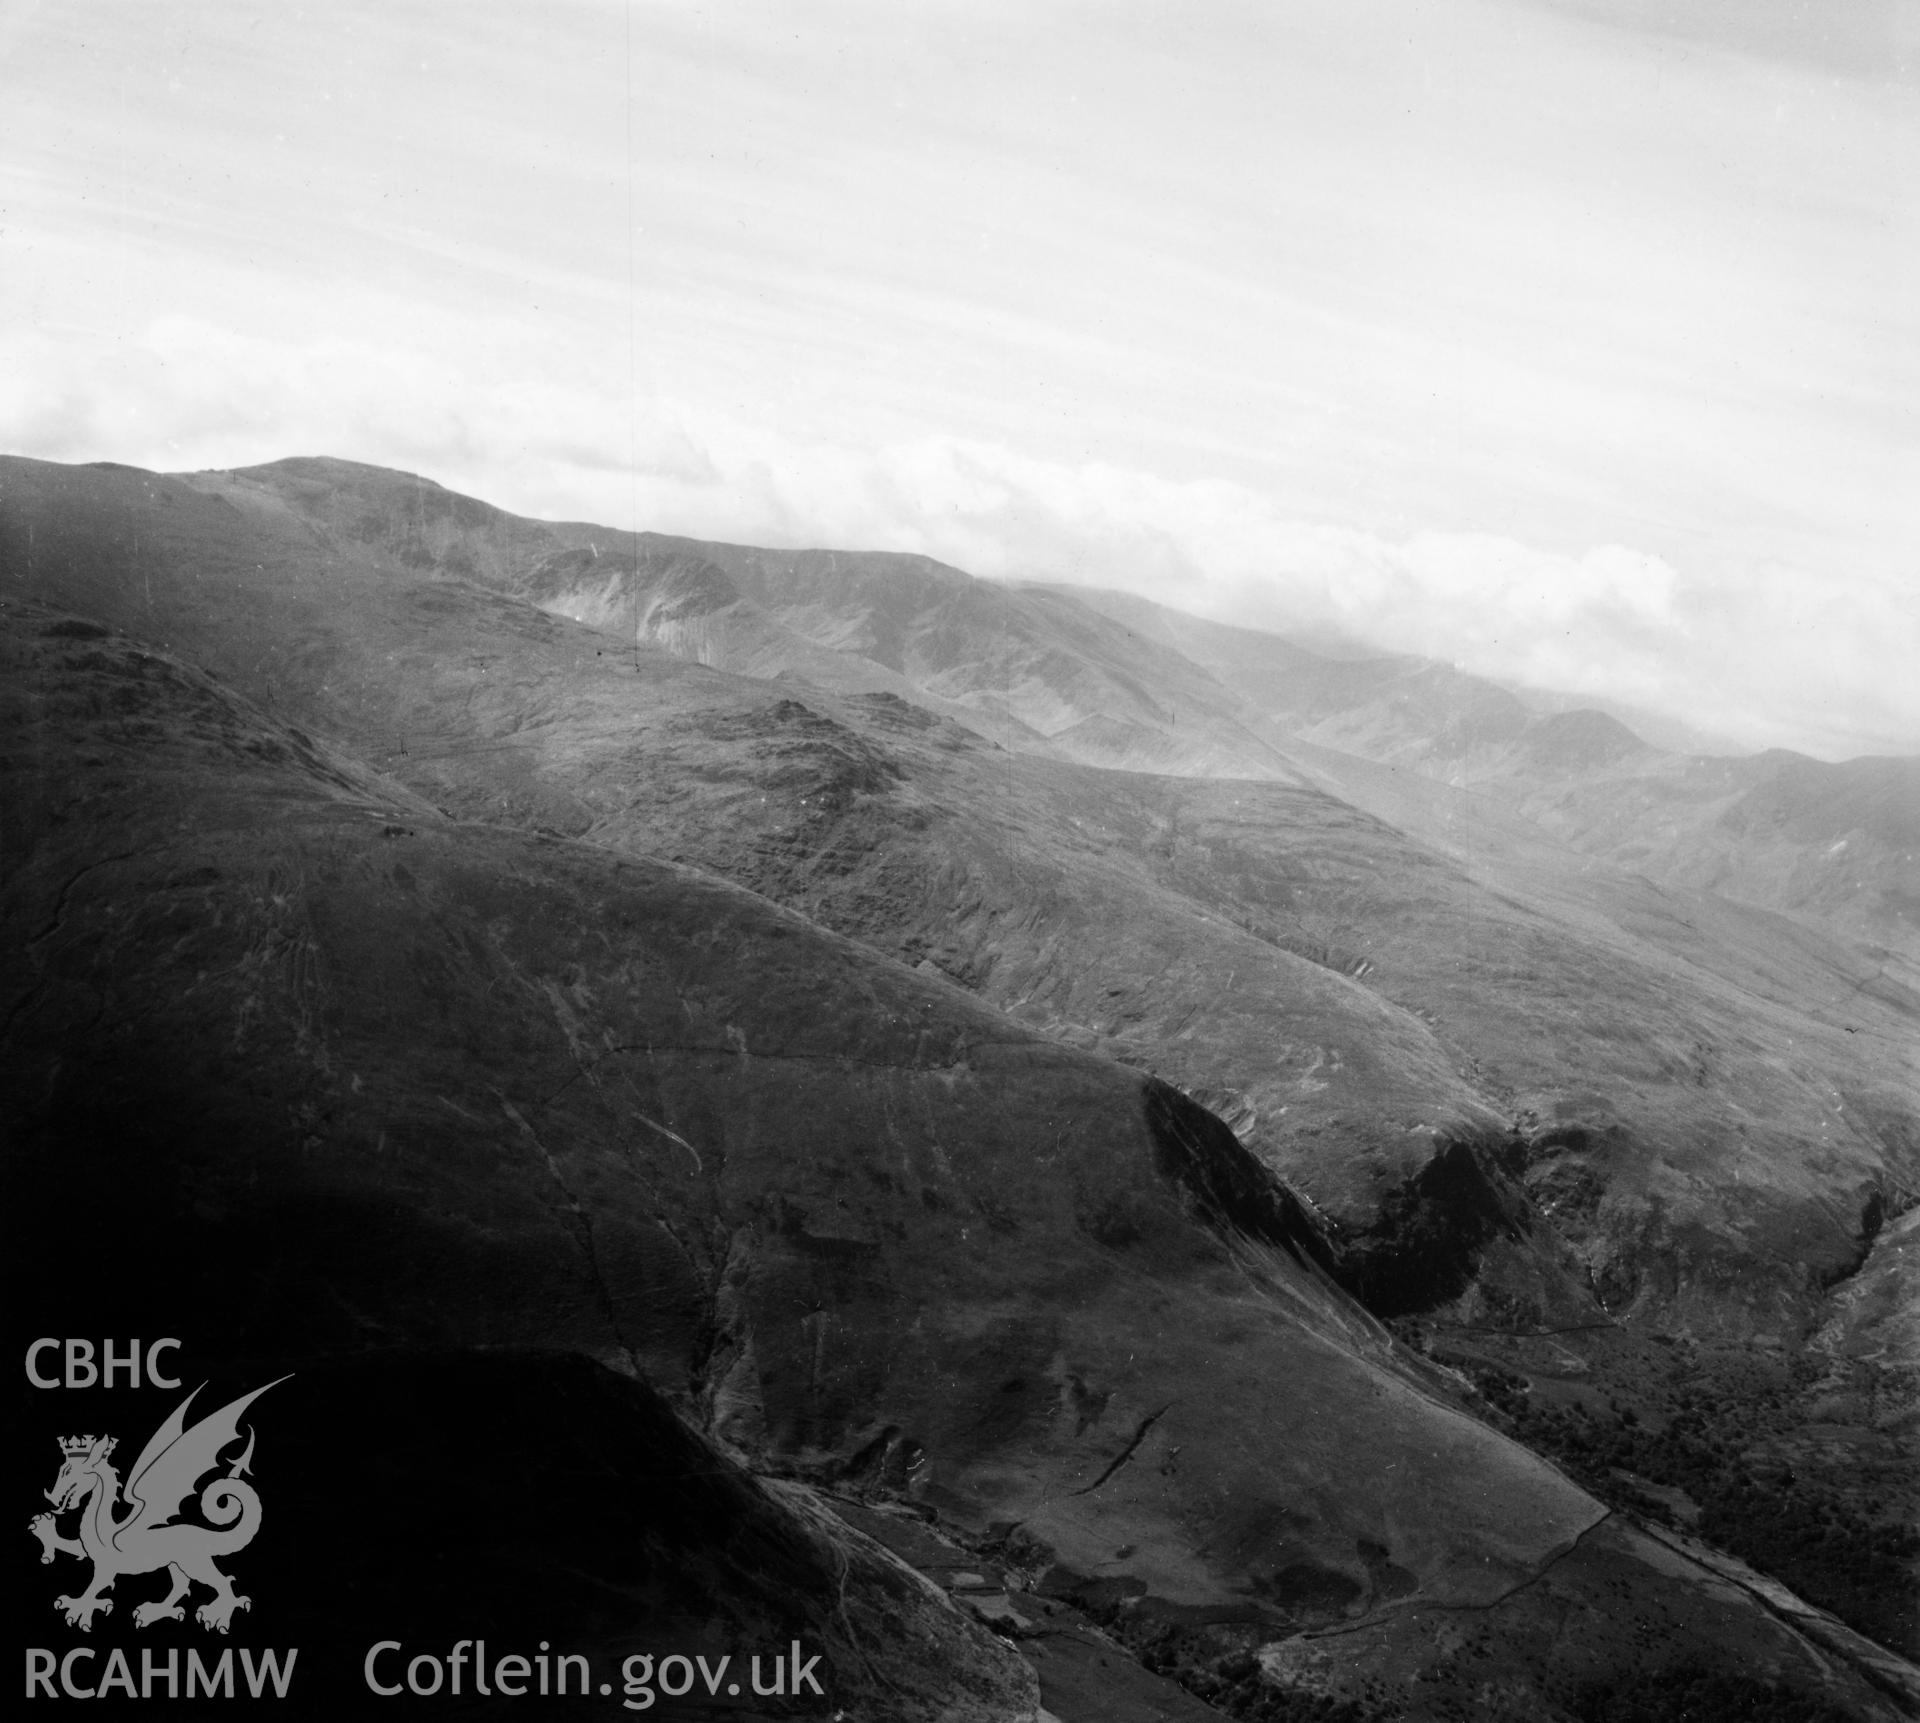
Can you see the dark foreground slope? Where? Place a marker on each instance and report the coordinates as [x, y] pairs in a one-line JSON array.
[[319, 1081], [396, 980], [1639, 1078]]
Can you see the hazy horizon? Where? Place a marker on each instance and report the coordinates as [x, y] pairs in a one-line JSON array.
[[1569, 341]]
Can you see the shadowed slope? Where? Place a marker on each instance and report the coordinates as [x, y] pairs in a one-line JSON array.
[[1102, 906], [1353, 1000], [343, 1077], [381, 1078]]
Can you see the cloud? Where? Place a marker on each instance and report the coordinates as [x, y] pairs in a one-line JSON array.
[[1783, 658], [734, 415]]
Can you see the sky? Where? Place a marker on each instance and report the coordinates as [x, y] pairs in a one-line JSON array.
[[1574, 342]]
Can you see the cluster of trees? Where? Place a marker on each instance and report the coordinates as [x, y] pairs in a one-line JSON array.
[[1231, 1681], [1689, 1696], [1810, 1537], [1250, 1699]]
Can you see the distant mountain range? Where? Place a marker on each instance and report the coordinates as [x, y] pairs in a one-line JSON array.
[[1114, 680], [1268, 1150]]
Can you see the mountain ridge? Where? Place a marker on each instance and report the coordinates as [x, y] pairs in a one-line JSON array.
[[1059, 672], [1481, 1073]]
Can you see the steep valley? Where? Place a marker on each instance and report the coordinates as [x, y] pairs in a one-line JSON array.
[[768, 981]]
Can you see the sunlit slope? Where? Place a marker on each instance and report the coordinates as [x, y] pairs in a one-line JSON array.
[[1114, 680], [1834, 843]]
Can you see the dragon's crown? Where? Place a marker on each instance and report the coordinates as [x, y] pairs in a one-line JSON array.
[[75, 1445]]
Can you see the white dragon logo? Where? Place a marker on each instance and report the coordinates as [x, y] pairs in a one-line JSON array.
[[148, 1535]]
